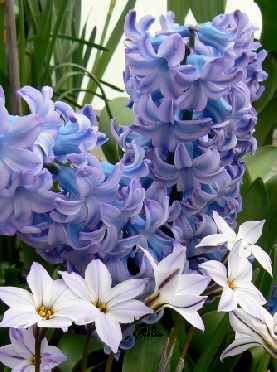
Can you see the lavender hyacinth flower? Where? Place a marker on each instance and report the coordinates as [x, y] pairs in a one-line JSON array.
[[17, 135], [20, 354], [191, 90], [195, 133]]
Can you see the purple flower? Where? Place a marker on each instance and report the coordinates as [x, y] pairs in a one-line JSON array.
[[164, 127], [204, 78], [20, 354], [17, 136], [158, 70]]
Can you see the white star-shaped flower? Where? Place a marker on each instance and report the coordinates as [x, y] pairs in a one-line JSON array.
[[176, 289], [252, 331], [50, 303], [104, 305], [248, 234], [236, 282], [19, 355]]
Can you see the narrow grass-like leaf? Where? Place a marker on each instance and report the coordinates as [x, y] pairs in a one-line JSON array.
[[180, 8], [92, 77], [103, 61], [206, 10], [50, 49], [112, 86], [213, 346], [82, 41]]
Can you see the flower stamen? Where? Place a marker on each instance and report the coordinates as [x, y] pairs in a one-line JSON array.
[[231, 283], [45, 312], [102, 307]]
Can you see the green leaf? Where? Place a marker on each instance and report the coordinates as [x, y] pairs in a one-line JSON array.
[[269, 32], [200, 340], [267, 122], [260, 360], [270, 66], [255, 203], [81, 41], [123, 115], [212, 346], [263, 164], [180, 8], [52, 39], [102, 62], [72, 346], [206, 10], [145, 356]]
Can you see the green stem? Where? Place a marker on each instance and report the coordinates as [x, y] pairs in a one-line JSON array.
[[86, 347], [168, 351], [109, 363], [180, 365], [12, 57]]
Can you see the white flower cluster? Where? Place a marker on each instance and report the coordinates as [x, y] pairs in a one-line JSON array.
[[252, 323], [93, 300]]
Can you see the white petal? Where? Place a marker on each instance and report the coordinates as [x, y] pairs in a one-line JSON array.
[[245, 324], [174, 263], [239, 269], [238, 346], [23, 341], [127, 312], [16, 318], [212, 240], [51, 357], [192, 317], [55, 322], [109, 331], [17, 297], [223, 227], [250, 300], [262, 257], [251, 231], [77, 285], [192, 283], [98, 279], [40, 284], [227, 300], [61, 296], [125, 291], [81, 312], [149, 257], [9, 357], [215, 270], [186, 301]]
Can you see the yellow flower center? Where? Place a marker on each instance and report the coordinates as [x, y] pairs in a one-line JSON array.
[[231, 283], [33, 361], [45, 312], [102, 307]]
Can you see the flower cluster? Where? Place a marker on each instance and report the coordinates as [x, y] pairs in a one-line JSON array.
[[59, 198], [91, 299], [191, 89], [154, 230]]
